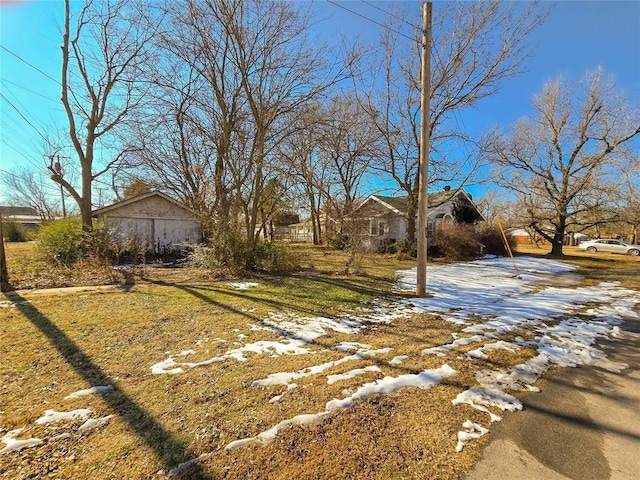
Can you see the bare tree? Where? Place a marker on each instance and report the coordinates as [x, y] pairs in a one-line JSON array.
[[627, 194], [307, 168], [477, 46], [235, 77], [350, 146], [281, 71], [103, 48], [30, 188], [562, 160]]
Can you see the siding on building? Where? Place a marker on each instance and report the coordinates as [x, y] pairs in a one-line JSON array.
[[152, 219]]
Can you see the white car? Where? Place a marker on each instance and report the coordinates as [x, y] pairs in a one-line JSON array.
[[610, 245]]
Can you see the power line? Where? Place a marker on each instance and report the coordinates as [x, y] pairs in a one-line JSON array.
[[23, 117], [15, 130], [29, 64], [28, 156], [390, 14], [24, 109], [21, 152], [28, 90], [371, 20]]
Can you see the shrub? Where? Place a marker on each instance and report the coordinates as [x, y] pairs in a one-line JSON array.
[[275, 257], [61, 240], [407, 249], [272, 257], [492, 239], [388, 245], [14, 232], [135, 250], [203, 257], [337, 240], [458, 242], [102, 245]]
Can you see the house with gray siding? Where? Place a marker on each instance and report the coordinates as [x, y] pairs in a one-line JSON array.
[[384, 218]]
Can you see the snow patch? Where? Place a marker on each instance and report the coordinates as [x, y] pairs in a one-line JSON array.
[[12, 444], [242, 285], [89, 391], [51, 416], [424, 379], [471, 431], [92, 423]]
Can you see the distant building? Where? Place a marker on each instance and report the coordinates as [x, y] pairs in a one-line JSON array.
[[154, 220], [385, 218], [28, 217]]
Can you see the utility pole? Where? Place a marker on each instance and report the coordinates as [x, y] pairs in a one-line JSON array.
[[55, 167], [4, 274], [423, 180]]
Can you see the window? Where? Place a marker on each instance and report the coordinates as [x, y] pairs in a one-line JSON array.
[[381, 228]]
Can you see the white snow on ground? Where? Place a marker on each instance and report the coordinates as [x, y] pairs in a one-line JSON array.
[[471, 431], [242, 285], [331, 379], [515, 302], [489, 298], [94, 422], [298, 333], [54, 417], [12, 444], [424, 379], [285, 378], [7, 303], [89, 391], [507, 300], [398, 359]]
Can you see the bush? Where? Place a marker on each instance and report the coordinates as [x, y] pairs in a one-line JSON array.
[[62, 240], [135, 250], [492, 239], [14, 232], [203, 257], [458, 242], [337, 240], [275, 257], [388, 246], [272, 257], [407, 249], [101, 244]]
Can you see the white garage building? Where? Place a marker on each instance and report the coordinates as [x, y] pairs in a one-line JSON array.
[[152, 219]]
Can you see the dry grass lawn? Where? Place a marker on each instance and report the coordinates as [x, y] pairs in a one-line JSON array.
[[58, 343]]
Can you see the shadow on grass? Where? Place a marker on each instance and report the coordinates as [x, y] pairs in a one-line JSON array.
[[167, 449], [302, 299]]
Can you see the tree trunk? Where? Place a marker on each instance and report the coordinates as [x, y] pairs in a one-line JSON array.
[[558, 237], [315, 220], [85, 207], [412, 210], [315, 229]]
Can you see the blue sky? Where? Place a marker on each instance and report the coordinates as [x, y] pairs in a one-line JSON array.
[[578, 36]]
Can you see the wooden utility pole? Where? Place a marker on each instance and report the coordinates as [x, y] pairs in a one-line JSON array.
[[423, 181], [4, 275]]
